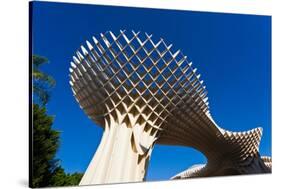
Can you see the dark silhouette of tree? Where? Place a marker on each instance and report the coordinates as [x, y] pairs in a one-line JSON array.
[[60, 178], [45, 145], [45, 169], [42, 82]]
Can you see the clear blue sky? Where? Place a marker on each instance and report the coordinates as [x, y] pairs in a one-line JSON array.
[[232, 52]]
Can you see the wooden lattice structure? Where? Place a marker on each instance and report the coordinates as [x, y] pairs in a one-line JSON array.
[[143, 92]]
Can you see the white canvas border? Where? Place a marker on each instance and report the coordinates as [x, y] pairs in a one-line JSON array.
[[14, 91]]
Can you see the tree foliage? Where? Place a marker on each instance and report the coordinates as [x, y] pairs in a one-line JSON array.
[[60, 178], [46, 170], [45, 145], [42, 82]]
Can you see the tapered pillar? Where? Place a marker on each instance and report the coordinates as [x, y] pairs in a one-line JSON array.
[[124, 151]]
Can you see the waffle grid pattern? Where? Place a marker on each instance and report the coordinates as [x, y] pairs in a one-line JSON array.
[[150, 94], [131, 73]]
